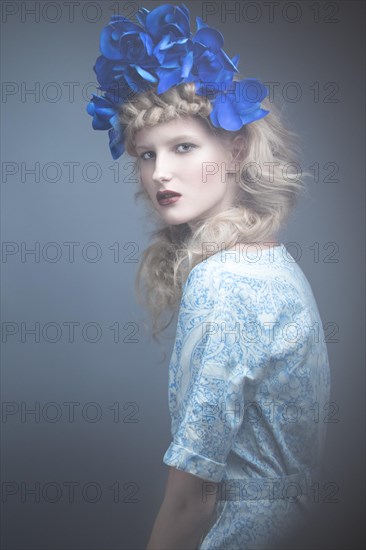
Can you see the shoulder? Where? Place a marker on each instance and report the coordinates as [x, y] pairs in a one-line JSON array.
[[251, 286], [209, 280], [213, 289]]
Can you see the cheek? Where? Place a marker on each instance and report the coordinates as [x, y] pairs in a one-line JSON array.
[[208, 170], [194, 172], [145, 179]]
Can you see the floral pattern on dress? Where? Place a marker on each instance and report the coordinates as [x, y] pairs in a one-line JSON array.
[[248, 372]]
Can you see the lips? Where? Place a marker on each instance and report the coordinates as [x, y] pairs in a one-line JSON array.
[[166, 194]]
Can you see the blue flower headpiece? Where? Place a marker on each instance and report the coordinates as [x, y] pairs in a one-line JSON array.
[[161, 52]]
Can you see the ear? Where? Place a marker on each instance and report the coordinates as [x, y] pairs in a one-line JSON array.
[[238, 149]]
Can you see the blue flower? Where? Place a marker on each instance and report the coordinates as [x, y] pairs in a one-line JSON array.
[[110, 77], [200, 59], [175, 62], [126, 51], [238, 103], [104, 111], [165, 20], [160, 51], [169, 27], [116, 144], [211, 62], [125, 41]]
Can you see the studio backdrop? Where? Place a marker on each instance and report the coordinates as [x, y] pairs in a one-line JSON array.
[[85, 420]]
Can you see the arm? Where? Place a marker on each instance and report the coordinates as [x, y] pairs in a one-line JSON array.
[[184, 513]]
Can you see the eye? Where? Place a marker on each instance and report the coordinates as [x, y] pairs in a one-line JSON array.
[[142, 156], [186, 149], [186, 145]]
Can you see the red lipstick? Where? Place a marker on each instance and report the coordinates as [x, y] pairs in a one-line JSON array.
[[167, 197]]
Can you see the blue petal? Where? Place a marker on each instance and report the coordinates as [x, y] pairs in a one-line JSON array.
[[251, 117], [168, 79], [170, 64], [181, 40], [208, 68], [187, 64], [145, 74], [213, 117], [260, 91], [148, 43], [182, 17], [111, 34], [107, 49], [141, 16], [114, 120], [212, 38], [99, 124], [104, 69], [90, 108], [168, 17], [100, 120], [200, 24], [105, 111], [167, 45], [227, 115], [154, 17], [116, 145], [135, 82], [225, 60], [185, 10], [235, 60], [158, 50]]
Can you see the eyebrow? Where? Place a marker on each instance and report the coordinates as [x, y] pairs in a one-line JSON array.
[[173, 140]]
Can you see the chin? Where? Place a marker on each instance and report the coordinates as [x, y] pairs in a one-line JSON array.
[[173, 218]]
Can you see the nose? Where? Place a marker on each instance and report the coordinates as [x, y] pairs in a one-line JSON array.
[[162, 171]]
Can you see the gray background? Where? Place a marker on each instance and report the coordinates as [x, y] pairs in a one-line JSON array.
[[126, 452]]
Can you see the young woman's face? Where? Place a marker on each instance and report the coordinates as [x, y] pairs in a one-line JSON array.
[[182, 156]]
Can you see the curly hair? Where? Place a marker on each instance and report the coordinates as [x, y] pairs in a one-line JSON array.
[[268, 188]]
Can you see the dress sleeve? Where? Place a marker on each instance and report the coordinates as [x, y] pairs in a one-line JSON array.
[[206, 375]]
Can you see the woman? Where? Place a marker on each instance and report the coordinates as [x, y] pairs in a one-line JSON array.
[[249, 369]]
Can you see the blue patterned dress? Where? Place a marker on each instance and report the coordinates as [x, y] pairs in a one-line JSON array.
[[248, 383]]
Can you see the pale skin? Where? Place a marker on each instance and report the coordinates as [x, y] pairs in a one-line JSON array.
[[182, 156], [184, 513]]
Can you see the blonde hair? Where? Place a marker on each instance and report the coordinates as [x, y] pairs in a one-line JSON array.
[[266, 195]]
